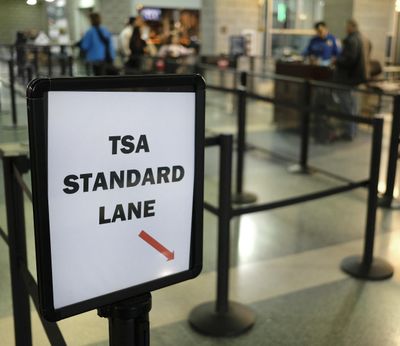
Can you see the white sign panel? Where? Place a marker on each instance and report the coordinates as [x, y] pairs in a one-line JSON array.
[[120, 189]]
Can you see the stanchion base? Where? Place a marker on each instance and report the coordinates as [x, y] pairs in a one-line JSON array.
[[238, 320], [299, 169], [378, 270], [388, 202], [244, 198]]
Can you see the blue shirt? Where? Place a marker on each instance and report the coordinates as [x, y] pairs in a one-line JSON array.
[[323, 48], [93, 46]]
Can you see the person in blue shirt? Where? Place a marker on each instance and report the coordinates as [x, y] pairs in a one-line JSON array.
[[322, 48], [98, 47]]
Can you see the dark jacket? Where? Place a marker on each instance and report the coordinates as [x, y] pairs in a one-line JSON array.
[[351, 64]]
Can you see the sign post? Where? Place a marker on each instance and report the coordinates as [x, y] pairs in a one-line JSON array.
[[117, 180]]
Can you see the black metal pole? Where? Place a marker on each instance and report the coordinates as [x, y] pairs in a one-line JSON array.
[[12, 92], [12, 52], [366, 266], [70, 66], [223, 317], [222, 77], [29, 73], [128, 321], [302, 166], [252, 68], [88, 68], [240, 196], [225, 210], [305, 126], [63, 60], [49, 62], [17, 251], [387, 198], [36, 61], [374, 167], [241, 95]]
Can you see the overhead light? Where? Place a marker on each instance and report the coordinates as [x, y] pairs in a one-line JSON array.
[[31, 2], [86, 3], [49, 0], [397, 6], [302, 16], [60, 3]]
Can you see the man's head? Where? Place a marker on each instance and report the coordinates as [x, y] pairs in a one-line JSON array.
[[321, 29], [131, 21], [95, 19], [351, 26]]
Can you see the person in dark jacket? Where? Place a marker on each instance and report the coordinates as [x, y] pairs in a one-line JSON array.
[[137, 47], [353, 62], [352, 69]]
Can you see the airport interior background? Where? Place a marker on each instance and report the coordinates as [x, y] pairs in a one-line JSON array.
[[305, 192]]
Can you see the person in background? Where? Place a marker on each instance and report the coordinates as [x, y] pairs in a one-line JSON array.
[[352, 69], [137, 47], [125, 38], [40, 38], [174, 49], [322, 48], [20, 45], [98, 47]]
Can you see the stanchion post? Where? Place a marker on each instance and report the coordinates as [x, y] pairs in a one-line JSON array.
[[63, 61], [224, 219], [49, 62], [387, 199], [241, 197], [70, 66], [128, 321], [252, 68], [88, 68], [17, 252], [12, 92], [302, 166], [222, 77], [366, 266], [11, 51], [224, 317], [29, 73], [36, 61]]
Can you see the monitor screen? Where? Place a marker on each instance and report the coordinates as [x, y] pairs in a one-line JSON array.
[[151, 13]]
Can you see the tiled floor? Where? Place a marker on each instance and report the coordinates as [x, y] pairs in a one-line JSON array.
[[284, 262]]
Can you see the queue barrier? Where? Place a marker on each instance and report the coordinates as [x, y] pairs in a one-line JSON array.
[[245, 89], [222, 318], [226, 318], [23, 284], [27, 75], [128, 320], [27, 71], [386, 200]]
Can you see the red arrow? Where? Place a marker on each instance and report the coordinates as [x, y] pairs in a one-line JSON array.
[[155, 244]]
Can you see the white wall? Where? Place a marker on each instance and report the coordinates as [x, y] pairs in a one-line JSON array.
[[375, 19], [223, 18]]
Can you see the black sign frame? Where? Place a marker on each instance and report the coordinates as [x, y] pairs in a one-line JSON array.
[[37, 120]]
